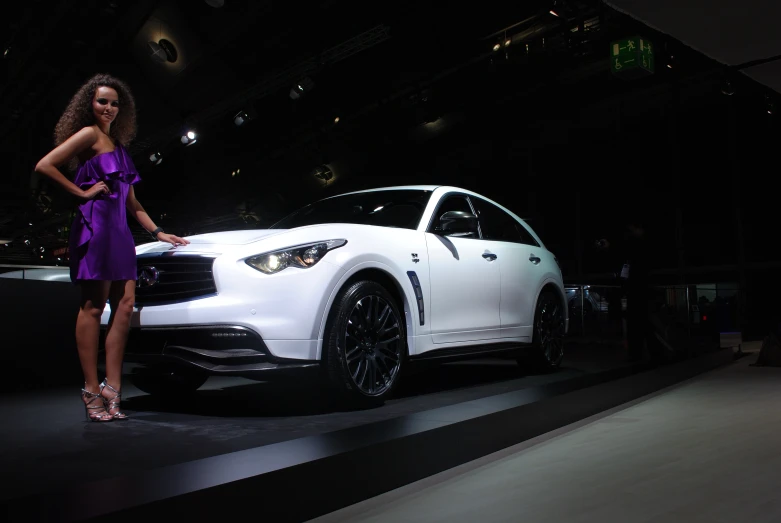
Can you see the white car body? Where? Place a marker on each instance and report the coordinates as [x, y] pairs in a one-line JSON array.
[[475, 293]]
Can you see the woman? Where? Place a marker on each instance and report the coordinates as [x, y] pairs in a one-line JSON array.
[[92, 133]]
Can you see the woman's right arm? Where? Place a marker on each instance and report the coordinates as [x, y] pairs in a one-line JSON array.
[[79, 142]]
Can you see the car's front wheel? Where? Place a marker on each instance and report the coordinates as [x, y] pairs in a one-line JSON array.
[[365, 343]]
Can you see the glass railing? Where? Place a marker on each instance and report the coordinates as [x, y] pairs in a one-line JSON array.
[[600, 310]]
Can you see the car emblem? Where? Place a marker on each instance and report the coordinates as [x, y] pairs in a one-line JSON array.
[[147, 277]]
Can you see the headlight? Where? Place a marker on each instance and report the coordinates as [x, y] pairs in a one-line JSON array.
[[301, 256]]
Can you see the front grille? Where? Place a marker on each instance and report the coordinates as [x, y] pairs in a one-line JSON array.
[[166, 278]]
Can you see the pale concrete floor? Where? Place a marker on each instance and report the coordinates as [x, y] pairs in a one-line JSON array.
[[705, 451]]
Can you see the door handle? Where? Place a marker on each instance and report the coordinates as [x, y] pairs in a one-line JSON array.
[[489, 256], [534, 259]]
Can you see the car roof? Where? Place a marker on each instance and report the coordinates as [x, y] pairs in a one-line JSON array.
[[445, 188], [394, 188]]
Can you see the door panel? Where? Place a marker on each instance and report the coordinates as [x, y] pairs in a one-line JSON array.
[[465, 289], [520, 267], [519, 282]]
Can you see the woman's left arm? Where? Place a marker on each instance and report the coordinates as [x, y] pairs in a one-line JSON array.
[[138, 212]]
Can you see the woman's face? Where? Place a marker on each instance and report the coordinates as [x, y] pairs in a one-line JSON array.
[[105, 104]]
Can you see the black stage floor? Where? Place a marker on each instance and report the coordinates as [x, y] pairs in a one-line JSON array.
[[47, 444]]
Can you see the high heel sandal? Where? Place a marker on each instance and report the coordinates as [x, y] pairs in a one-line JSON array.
[[112, 402], [93, 411]]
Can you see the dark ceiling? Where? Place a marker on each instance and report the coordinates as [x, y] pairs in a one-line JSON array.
[[398, 75], [740, 34]]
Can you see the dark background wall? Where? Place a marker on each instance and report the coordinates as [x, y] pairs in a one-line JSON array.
[[542, 127]]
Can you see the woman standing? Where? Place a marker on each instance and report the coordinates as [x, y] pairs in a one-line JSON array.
[[92, 133]]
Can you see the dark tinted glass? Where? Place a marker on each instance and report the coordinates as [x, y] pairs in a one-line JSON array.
[[401, 208], [495, 224]]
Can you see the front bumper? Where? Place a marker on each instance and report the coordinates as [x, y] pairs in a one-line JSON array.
[[211, 349], [285, 309]]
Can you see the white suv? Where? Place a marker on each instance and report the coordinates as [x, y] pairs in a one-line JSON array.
[[352, 288]]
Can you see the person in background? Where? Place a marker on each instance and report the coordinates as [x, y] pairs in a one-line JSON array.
[[631, 258]]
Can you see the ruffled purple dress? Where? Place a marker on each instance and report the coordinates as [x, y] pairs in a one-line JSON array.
[[101, 245]]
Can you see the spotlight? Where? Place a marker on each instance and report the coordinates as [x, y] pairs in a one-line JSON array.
[[727, 89], [301, 87], [560, 9], [771, 105], [156, 158], [241, 118], [497, 47], [163, 51], [336, 120], [324, 173], [189, 138]]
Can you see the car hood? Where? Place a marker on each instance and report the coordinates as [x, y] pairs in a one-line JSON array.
[[232, 237], [239, 241], [212, 241]]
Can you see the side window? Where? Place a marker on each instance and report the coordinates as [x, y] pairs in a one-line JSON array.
[[497, 225], [451, 203]]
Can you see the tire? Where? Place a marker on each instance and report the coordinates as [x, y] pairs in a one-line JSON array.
[[547, 349], [365, 343], [167, 381]]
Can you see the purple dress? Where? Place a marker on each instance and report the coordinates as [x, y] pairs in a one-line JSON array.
[[101, 245]]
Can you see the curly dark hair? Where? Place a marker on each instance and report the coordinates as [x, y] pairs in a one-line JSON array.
[[78, 114]]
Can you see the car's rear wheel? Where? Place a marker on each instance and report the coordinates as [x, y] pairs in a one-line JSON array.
[[547, 349], [167, 381], [365, 343]]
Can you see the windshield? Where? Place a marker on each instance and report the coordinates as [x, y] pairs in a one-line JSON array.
[[400, 208]]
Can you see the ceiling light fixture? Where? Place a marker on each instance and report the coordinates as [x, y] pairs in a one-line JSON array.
[[189, 138], [163, 51], [241, 118], [301, 87], [324, 173]]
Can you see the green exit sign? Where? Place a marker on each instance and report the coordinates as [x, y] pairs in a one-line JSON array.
[[632, 57]]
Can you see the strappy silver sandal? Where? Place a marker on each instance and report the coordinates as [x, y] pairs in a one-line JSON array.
[[93, 409], [112, 402]]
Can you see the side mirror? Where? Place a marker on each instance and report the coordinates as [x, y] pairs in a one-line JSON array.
[[458, 223]]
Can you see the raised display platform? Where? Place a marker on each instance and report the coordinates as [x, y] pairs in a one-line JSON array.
[[305, 477]]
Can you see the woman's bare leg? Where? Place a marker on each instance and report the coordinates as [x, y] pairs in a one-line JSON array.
[[122, 297], [93, 301]]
